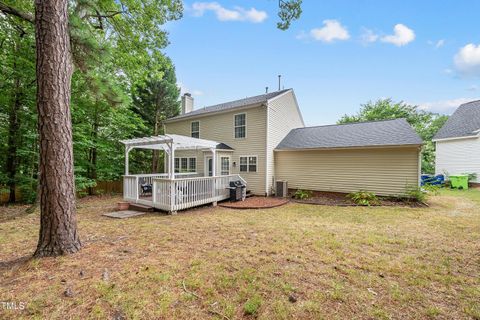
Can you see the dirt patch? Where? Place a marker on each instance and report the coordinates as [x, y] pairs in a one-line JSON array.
[[255, 203], [341, 200]]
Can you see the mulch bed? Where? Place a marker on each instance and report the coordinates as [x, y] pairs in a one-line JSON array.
[[341, 200], [255, 203]]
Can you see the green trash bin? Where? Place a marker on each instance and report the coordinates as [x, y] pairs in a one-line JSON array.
[[459, 181]]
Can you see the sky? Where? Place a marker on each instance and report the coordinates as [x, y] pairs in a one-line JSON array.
[[337, 56]]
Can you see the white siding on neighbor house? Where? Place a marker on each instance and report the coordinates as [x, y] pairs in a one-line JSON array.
[[384, 171], [458, 156], [219, 127], [283, 116]]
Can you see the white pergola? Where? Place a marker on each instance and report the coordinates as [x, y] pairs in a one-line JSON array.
[[170, 143]]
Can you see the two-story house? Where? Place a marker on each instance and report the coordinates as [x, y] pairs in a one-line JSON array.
[[248, 129], [264, 138]]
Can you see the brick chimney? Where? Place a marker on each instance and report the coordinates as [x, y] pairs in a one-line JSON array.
[[187, 103]]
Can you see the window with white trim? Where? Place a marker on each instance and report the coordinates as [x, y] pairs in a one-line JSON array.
[[243, 164], [195, 129], [252, 164], [177, 165], [248, 164], [240, 126], [192, 165], [224, 166], [184, 164]]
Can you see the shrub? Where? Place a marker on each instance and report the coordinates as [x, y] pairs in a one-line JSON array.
[[302, 194], [364, 198], [432, 189], [252, 305], [471, 176], [416, 193]]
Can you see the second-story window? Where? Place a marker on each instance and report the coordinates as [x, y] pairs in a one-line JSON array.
[[195, 129], [240, 126]]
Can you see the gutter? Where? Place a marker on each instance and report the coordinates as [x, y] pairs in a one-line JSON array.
[[350, 148], [456, 138]]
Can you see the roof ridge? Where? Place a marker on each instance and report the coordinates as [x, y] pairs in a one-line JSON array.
[[350, 123], [248, 97]]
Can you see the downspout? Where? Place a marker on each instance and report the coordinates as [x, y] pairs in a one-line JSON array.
[[419, 166], [266, 149]]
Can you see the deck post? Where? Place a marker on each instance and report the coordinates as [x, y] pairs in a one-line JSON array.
[[214, 171], [172, 178], [127, 151]]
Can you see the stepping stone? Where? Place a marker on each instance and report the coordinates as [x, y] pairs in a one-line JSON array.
[[124, 214]]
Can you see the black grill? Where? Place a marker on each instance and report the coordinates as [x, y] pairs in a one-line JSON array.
[[238, 190]]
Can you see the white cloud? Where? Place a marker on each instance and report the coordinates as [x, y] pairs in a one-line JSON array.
[[401, 36], [444, 106], [236, 14], [440, 43], [302, 35], [437, 44], [467, 60], [368, 36], [331, 31], [184, 89]]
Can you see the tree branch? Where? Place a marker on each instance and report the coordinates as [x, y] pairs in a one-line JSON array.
[[108, 15], [14, 12]]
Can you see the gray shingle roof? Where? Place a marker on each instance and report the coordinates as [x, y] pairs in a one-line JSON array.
[[223, 146], [361, 134], [231, 105], [462, 123]]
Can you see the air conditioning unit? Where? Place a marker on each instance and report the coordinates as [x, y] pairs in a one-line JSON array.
[[281, 189]]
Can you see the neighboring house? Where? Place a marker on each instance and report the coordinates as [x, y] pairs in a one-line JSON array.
[[458, 142], [264, 139]]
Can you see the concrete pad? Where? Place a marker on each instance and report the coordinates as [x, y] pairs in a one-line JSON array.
[[124, 214]]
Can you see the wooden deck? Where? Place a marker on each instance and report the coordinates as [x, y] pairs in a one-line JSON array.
[[177, 194]]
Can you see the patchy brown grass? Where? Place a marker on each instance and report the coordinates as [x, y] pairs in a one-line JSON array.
[[336, 262]]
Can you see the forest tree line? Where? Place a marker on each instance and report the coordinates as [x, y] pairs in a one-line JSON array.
[[122, 86]]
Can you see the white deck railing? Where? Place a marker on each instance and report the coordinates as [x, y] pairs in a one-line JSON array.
[[180, 193]]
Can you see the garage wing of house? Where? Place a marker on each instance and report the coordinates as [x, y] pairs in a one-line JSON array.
[[382, 157]]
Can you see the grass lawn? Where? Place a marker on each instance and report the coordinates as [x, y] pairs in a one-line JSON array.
[[292, 262]]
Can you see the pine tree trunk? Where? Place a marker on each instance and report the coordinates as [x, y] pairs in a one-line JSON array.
[[58, 224]]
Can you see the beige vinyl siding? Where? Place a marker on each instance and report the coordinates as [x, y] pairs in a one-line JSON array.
[[283, 116], [219, 127], [384, 171], [458, 156]]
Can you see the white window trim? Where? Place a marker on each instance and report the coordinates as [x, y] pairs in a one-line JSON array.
[[188, 164], [175, 163], [191, 132], [237, 114], [229, 164], [205, 164], [248, 164]]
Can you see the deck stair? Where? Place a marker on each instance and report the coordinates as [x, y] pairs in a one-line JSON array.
[[140, 207]]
